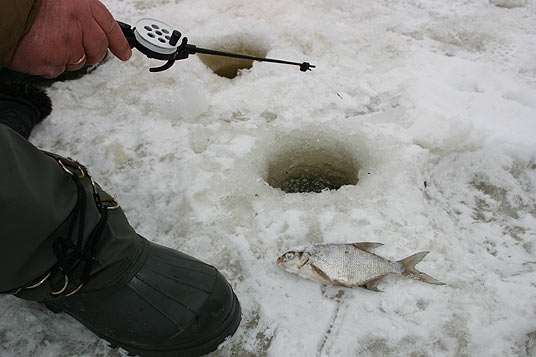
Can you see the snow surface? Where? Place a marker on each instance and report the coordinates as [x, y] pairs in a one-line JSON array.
[[434, 100]]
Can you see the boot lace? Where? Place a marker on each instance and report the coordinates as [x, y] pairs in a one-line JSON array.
[[75, 255]]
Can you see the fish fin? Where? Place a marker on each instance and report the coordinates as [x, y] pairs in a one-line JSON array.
[[409, 269], [366, 246], [322, 276], [338, 283], [372, 285]]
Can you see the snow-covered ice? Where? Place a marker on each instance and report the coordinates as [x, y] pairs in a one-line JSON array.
[[433, 101]]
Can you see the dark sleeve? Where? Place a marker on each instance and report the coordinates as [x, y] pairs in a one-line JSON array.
[[16, 18]]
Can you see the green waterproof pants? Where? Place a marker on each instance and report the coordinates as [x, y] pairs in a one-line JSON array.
[[38, 198]]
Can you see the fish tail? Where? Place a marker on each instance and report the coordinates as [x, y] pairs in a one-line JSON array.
[[409, 269]]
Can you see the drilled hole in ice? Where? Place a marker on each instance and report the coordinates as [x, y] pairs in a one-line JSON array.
[[229, 67], [312, 169]]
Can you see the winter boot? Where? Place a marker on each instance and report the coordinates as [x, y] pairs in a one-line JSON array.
[[140, 296], [23, 105]]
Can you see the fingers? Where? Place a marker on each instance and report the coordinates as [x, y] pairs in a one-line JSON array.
[[50, 72], [94, 41], [116, 40], [63, 32], [74, 65], [46, 63]]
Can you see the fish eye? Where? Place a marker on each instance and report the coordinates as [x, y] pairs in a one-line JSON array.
[[289, 255]]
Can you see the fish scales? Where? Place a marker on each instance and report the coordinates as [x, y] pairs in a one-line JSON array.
[[347, 264]]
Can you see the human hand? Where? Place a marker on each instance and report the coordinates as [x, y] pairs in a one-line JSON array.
[[66, 35]]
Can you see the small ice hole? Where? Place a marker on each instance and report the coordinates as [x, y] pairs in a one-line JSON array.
[[312, 170], [229, 67]]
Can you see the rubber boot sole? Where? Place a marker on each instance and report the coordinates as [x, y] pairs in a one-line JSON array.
[[228, 328]]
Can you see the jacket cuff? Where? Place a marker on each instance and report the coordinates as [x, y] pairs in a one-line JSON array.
[[16, 18]]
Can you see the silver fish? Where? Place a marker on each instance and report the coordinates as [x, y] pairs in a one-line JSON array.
[[350, 264]]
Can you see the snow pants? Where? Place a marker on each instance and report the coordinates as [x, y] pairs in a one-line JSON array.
[[41, 201]]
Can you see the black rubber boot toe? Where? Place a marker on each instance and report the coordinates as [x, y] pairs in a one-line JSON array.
[[175, 305]]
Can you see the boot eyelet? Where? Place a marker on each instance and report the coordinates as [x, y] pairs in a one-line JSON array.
[[39, 283], [80, 176], [75, 290], [65, 284]]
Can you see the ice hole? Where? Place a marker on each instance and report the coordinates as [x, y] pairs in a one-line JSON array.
[[312, 169], [229, 67]]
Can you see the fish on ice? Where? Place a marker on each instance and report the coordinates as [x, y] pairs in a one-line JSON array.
[[350, 264]]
